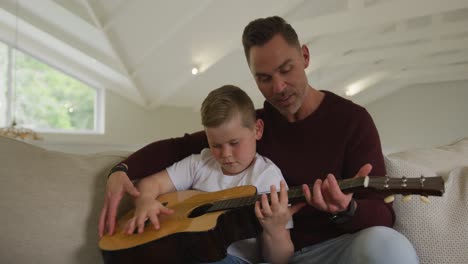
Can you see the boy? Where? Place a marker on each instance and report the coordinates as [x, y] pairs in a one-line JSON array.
[[229, 118]]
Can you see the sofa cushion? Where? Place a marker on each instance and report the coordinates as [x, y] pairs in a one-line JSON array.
[[441, 159], [50, 203], [439, 230]]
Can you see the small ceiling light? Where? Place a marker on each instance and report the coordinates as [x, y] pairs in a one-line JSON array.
[[195, 71], [365, 83], [354, 89]]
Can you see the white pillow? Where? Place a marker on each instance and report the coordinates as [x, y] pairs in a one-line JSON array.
[[441, 160], [438, 230]]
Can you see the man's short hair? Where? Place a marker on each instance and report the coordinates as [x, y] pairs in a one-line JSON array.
[[261, 30], [223, 103]]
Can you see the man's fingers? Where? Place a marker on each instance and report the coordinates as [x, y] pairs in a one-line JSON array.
[[336, 200], [116, 187], [102, 219], [307, 194], [112, 213], [332, 187], [364, 170], [131, 189], [317, 197]]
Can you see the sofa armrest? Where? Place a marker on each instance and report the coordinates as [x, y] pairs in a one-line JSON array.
[[438, 230]]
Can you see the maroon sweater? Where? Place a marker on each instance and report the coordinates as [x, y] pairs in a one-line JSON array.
[[339, 138]]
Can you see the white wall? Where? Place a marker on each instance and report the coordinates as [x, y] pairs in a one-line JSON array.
[[422, 116], [128, 127], [417, 116]]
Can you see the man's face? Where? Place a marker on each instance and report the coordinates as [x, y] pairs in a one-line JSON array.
[[233, 145], [278, 69]]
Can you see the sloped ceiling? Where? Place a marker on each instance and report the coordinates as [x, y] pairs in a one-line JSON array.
[[144, 50]]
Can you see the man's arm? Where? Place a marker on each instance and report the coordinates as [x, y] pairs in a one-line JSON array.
[[363, 157], [364, 147], [146, 161], [161, 154]]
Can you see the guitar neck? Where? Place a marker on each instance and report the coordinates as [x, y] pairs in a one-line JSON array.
[[423, 186], [295, 195]]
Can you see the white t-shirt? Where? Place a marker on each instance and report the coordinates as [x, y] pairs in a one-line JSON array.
[[202, 172]]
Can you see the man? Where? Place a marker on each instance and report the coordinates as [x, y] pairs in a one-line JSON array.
[[314, 137]]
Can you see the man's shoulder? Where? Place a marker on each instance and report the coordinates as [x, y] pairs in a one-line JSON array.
[[337, 99], [201, 158], [260, 112], [342, 105]]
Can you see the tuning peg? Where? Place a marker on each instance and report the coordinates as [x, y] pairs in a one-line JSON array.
[[406, 198], [424, 199], [389, 199]]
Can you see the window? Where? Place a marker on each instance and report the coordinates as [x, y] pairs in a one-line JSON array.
[[37, 96], [3, 84]]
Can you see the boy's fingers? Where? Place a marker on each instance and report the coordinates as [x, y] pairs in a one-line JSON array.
[[283, 193], [295, 208], [258, 211]]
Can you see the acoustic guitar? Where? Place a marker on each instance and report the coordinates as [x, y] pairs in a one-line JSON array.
[[204, 224]]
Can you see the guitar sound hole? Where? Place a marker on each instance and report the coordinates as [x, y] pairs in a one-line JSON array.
[[199, 211]]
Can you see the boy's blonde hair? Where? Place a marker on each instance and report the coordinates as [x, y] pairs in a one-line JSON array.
[[223, 103]]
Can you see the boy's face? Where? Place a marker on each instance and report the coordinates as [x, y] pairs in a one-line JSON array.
[[233, 145]]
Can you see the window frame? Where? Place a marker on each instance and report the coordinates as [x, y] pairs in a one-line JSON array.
[[99, 103]]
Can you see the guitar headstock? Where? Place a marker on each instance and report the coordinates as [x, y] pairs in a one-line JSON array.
[[424, 186]]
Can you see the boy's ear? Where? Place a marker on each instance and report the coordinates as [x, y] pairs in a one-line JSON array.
[[258, 129]]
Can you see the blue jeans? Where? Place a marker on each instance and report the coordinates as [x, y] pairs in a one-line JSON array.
[[378, 244], [229, 259]]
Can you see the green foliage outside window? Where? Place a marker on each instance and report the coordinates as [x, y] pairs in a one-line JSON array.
[[48, 99]]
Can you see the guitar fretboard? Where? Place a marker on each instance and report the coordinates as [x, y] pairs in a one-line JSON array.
[[295, 195]]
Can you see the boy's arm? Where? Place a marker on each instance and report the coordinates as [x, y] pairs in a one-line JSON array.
[[155, 185], [275, 240], [146, 205], [277, 248]]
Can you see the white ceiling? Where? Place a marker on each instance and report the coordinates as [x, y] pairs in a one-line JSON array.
[[145, 49]]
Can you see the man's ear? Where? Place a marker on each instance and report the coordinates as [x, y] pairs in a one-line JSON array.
[[305, 55], [259, 129]]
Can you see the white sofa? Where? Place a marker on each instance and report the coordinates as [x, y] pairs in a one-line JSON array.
[[439, 230], [50, 203]]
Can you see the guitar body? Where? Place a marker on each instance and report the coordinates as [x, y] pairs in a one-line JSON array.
[[184, 237]]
